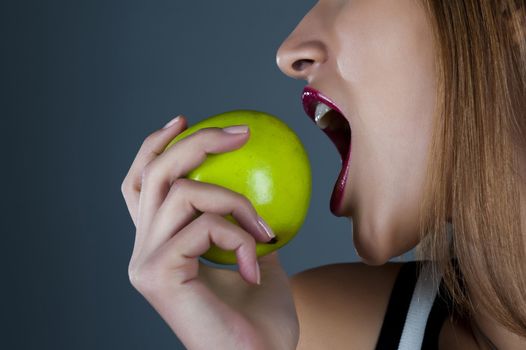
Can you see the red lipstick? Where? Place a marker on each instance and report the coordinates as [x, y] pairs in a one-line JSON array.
[[340, 136]]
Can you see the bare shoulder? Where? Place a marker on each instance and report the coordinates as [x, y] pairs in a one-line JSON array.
[[342, 304]]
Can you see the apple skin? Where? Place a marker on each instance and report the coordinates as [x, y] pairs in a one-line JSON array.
[[271, 169]]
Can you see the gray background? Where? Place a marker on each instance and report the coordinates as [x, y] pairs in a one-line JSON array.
[[83, 83]]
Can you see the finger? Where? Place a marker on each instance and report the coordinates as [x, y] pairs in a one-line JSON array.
[[187, 198], [176, 162], [152, 146], [180, 254]]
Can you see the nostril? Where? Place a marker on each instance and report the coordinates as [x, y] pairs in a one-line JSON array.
[[300, 65]]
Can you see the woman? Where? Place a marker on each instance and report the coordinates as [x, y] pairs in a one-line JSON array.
[[434, 93]]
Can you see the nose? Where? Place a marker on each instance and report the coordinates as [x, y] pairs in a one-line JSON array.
[[302, 52]]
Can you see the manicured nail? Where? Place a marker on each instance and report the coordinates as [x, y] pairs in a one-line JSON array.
[[258, 274], [265, 227], [237, 129], [172, 122]]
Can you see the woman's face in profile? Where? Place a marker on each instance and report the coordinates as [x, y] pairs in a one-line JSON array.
[[376, 61]]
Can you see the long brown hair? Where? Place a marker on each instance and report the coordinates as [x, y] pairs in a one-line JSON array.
[[479, 143]]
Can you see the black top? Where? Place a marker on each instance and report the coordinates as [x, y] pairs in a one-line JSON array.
[[398, 307]]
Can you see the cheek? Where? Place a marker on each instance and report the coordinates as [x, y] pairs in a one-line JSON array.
[[392, 67], [386, 52], [389, 75], [386, 60]]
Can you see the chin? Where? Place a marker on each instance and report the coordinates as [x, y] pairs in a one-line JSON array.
[[377, 241], [376, 245], [372, 259], [370, 252], [369, 243]]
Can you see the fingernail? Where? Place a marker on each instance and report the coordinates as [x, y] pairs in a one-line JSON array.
[[265, 227], [237, 129], [172, 122], [258, 274]]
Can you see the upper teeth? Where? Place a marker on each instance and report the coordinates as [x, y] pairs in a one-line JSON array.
[[321, 110]]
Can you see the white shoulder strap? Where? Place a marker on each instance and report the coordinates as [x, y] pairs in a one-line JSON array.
[[419, 309]]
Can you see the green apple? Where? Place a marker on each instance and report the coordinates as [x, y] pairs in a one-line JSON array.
[[271, 169]]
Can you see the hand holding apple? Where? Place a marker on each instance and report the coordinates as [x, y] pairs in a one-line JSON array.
[[271, 169], [169, 239]]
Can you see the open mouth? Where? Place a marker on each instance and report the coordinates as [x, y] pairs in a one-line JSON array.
[[329, 118], [338, 130]]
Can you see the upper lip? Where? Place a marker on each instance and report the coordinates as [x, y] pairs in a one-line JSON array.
[[311, 97]]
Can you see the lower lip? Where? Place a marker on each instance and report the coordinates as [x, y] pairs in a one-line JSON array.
[[339, 186]]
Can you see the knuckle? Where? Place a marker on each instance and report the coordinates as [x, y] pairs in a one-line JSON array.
[[210, 221], [210, 218], [148, 140], [243, 200], [134, 276], [124, 187], [147, 172], [150, 144], [182, 182], [177, 195], [202, 136], [145, 279], [244, 204], [249, 241], [207, 131], [127, 186], [179, 185]]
